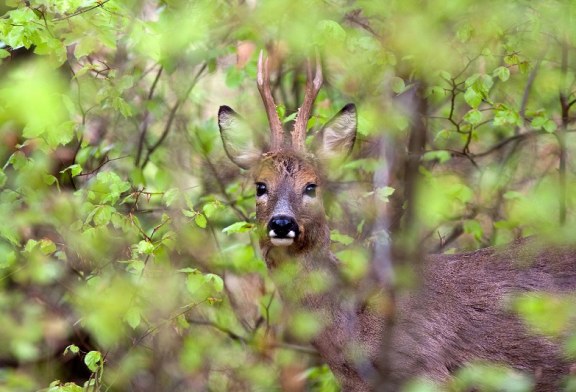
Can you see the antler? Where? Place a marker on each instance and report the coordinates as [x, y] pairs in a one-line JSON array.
[[263, 80], [313, 84]]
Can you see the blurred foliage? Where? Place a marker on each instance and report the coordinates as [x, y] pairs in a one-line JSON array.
[[122, 221]]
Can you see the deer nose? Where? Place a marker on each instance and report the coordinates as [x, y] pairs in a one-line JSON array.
[[283, 226]]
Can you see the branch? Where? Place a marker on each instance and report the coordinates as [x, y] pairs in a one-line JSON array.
[[172, 115], [81, 11], [145, 120], [504, 142]]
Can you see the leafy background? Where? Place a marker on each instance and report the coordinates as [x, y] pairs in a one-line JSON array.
[[122, 219]]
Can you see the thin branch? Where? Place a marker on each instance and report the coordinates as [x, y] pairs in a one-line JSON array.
[[527, 90], [146, 118], [561, 136], [229, 333], [505, 142], [172, 116], [106, 161], [355, 17], [81, 11]]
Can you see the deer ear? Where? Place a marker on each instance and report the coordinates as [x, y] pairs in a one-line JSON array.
[[237, 138], [337, 137]]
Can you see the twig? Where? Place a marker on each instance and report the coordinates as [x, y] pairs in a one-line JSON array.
[[81, 11], [172, 115], [561, 136], [145, 120], [505, 142], [106, 161]]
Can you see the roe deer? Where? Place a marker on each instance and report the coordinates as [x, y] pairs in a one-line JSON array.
[[457, 315]]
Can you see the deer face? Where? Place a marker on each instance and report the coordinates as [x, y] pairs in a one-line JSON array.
[[289, 184], [288, 198]]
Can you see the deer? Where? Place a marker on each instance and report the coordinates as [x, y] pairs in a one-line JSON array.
[[458, 314]]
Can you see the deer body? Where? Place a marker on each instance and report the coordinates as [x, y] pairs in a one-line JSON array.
[[459, 313]]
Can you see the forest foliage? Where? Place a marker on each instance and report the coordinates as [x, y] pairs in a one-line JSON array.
[[122, 218]]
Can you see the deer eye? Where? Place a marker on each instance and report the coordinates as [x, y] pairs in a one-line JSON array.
[[310, 190], [261, 189]]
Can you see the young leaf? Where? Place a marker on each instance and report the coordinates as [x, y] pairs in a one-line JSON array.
[[200, 220], [133, 317], [473, 117], [238, 227], [503, 73], [344, 239], [74, 349], [472, 97], [216, 281], [93, 360], [145, 247]]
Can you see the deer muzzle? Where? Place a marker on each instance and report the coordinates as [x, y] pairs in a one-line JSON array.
[[282, 230]]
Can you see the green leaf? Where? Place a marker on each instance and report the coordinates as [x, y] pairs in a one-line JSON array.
[[216, 281], [441, 156], [93, 360], [384, 193], [445, 75], [135, 266], [512, 59], [503, 73], [281, 111], [145, 247], [398, 85], [548, 314], [238, 227], [103, 214], [344, 239], [30, 245], [4, 53], [189, 213], [3, 178], [211, 207], [234, 77], [550, 126], [133, 317], [473, 227], [170, 196], [194, 282], [473, 117], [538, 122], [74, 349], [200, 220], [330, 32], [290, 117], [74, 169], [465, 33], [472, 97], [47, 247]]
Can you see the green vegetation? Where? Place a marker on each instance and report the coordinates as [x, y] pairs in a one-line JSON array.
[[121, 217]]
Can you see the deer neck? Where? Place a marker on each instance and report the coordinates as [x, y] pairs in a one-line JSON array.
[[307, 274]]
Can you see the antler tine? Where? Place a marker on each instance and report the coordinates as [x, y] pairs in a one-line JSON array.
[[313, 84], [263, 81]]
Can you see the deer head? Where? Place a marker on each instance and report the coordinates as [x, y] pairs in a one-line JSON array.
[[288, 179]]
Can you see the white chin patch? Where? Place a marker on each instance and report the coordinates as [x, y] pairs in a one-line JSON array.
[[281, 241]]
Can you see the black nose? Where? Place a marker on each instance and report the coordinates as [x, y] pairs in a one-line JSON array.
[[283, 226]]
